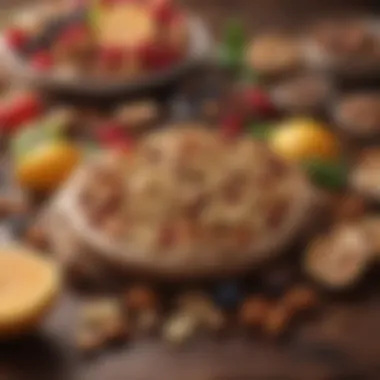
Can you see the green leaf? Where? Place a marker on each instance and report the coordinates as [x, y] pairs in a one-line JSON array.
[[327, 174], [93, 13], [232, 48], [261, 131]]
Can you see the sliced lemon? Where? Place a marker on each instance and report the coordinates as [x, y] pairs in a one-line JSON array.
[[28, 286], [126, 25], [301, 139], [47, 165]]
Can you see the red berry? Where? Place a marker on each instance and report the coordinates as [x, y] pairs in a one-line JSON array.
[[155, 56], [16, 38], [42, 61], [19, 111], [163, 11], [232, 126], [125, 145], [258, 102], [73, 34], [110, 132], [112, 57]]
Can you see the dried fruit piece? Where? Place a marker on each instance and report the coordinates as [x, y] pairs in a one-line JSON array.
[[254, 311], [301, 298], [340, 258], [277, 320], [29, 286], [88, 341], [42, 61], [371, 228], [140, 297], [16, 38]]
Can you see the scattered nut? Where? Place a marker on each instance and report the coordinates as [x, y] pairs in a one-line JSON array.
[[254, 311], [137, 115], [88, 341], [10, 206], [141, 297], [277, 320], [147, 321], [301, 298], [179, 328], [36, 236], [349, 207], [99, 314], [210, 108], [203, 309]]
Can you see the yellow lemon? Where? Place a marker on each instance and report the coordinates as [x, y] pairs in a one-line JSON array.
[[28, 286], [46, 166], [300, 139], [129, 25]]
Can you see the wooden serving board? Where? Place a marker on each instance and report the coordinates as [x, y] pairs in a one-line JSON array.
[[341, 343]]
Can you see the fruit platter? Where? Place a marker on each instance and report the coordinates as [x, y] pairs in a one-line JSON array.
[[104, 48], [226, 231]]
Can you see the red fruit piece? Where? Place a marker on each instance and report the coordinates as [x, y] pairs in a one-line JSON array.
[[42, 61], [232, 126], [258, 102], [16, 38], [163, 11], [73, 34], [157, 57], [19, 111], [112, 57]]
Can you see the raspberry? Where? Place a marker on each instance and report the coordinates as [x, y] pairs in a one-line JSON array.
[[42, 61], [16, 38]]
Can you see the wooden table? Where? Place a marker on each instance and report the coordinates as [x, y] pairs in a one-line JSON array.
[[343, 343]]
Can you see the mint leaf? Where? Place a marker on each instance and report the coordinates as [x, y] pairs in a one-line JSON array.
[[261, 131], [233, 44], [327, 174]]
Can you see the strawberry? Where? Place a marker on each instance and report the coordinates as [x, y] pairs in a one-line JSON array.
[[258, 102], [42, 61], [16, 38]]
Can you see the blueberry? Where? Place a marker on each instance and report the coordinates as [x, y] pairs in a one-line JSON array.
[[228, 295]]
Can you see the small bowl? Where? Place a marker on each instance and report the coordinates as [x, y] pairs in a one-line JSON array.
[[355, 67], [88, 89], [353, 129]]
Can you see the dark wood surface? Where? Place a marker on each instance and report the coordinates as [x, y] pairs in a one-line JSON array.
[[343, 342]]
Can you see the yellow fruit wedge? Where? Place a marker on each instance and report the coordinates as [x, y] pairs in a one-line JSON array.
[[125, 25], [29, 285], [300, 139], [46, 166]]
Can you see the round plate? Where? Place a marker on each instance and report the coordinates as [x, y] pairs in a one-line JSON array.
[[200, 48]]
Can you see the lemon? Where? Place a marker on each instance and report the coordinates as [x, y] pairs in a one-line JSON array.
[[47, 165], [126, 25], [300, 139], [28, 286]]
